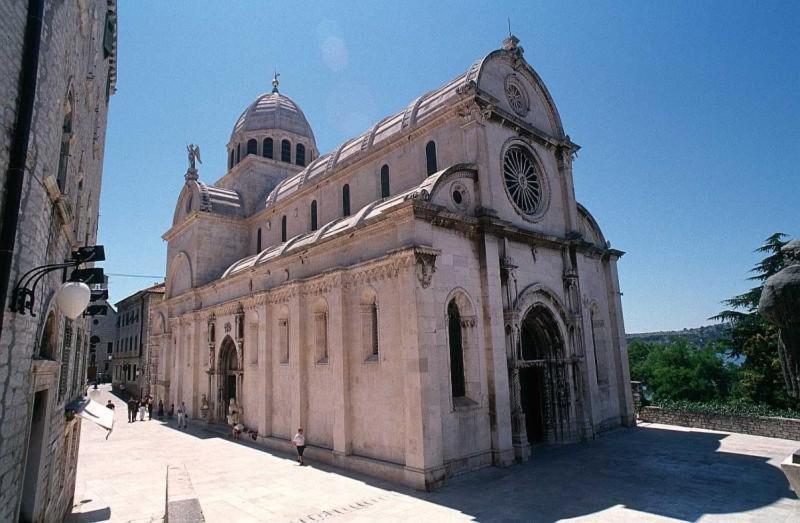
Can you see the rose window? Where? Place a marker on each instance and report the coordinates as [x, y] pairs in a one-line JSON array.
[[515, 94], [522, 180]]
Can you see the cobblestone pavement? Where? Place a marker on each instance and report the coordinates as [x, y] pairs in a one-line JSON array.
[[652, 473]]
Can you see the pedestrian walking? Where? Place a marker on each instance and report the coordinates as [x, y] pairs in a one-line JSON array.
[[149, 408], [182, 415], [299, 442], [171, 410], [110, 405], [142, 409], [133, 405], [160, 409]]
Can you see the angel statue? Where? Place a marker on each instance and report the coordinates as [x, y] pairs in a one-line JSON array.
[[194, 154]]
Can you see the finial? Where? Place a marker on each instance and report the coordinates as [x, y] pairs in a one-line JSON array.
[[509, 26], [511, 41], [275, 81]]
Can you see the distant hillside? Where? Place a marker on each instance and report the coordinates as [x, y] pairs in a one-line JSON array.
[[698, 337]]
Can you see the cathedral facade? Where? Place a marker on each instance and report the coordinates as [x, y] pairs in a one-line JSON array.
[[424, 300]]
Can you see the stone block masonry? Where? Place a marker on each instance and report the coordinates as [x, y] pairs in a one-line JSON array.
[[43, 357], [783, 428]]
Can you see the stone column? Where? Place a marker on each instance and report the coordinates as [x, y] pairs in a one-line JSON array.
[[519, 433], [497, 370], [297, 366], [265, 369], [422, 406], [619, 343], [339, 358], [197, 364]]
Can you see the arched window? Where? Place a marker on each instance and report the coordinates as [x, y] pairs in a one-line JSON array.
[[457, 382], [252, 147], [374, 321], [49, 341], [283, 228], [385, 181], [300, 154], [286, 151], [314, 215], [430, 157], [230, 160], [238, 152], [258, 240], [66, 139], [267, 149], [346, 200], [369, 326]]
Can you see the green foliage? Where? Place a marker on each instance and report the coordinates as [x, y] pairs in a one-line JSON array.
[[732, 408], [680, 371], [759, 380]]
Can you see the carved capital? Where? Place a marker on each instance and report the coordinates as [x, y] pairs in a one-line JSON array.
[[468, 322], [473, 112], [426, 265]]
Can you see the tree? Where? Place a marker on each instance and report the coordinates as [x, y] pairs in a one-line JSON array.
[[760, 379], [680, 371]]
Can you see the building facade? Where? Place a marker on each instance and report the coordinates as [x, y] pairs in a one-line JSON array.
[[130, 370], [57, 71], [102, 338], [425, 300]]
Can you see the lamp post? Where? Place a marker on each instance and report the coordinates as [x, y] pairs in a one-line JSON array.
[[74, 294]]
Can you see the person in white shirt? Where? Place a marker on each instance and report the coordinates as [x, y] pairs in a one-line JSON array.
[[182, 415], [299, 442]]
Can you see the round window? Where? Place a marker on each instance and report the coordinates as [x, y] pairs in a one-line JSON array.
[[522, 180], [460, 195], [516, 95]]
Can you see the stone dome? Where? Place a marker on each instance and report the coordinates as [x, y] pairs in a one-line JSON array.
[[274, 111]]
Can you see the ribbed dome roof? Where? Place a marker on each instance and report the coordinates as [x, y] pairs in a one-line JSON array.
[[274, 111]]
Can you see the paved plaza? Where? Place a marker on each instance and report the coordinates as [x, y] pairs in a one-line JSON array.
[[651, 473]]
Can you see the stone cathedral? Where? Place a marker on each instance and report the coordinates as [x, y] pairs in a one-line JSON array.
[[424, 300]]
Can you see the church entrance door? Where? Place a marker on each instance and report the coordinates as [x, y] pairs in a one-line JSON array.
[[531, 397], [228, 371], [544, 395]]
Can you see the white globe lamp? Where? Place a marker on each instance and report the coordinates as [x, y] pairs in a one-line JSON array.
[[72, 298]]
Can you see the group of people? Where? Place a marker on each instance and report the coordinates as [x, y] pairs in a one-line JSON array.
[[146, 405], [141, 407]]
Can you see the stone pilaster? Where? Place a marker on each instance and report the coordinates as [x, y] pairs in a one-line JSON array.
[[339, 358]]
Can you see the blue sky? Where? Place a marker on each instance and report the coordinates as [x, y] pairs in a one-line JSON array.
[[687, 113]]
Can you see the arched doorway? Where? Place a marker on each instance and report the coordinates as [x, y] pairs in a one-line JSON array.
[[542, 378], [228, 375]]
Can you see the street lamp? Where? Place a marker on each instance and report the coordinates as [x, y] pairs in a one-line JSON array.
[[73, 296]]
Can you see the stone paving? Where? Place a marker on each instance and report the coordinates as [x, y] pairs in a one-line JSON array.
[[651, 473]]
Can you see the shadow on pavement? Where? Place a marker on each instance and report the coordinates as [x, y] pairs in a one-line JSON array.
[[101, 514], [669, 473]]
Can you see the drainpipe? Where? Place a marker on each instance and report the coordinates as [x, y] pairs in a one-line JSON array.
[[19, 146]]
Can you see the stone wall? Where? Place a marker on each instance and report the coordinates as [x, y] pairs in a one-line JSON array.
[[38, 445], [783, 428]]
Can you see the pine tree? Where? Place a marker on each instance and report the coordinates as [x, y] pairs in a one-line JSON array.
[[759, 379]]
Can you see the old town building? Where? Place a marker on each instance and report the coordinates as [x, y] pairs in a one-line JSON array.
[[426, 299], [102, 337], [130, 369], [57, 72]]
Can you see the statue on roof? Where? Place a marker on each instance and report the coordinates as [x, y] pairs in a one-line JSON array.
[[275, 82], [194, 154]]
